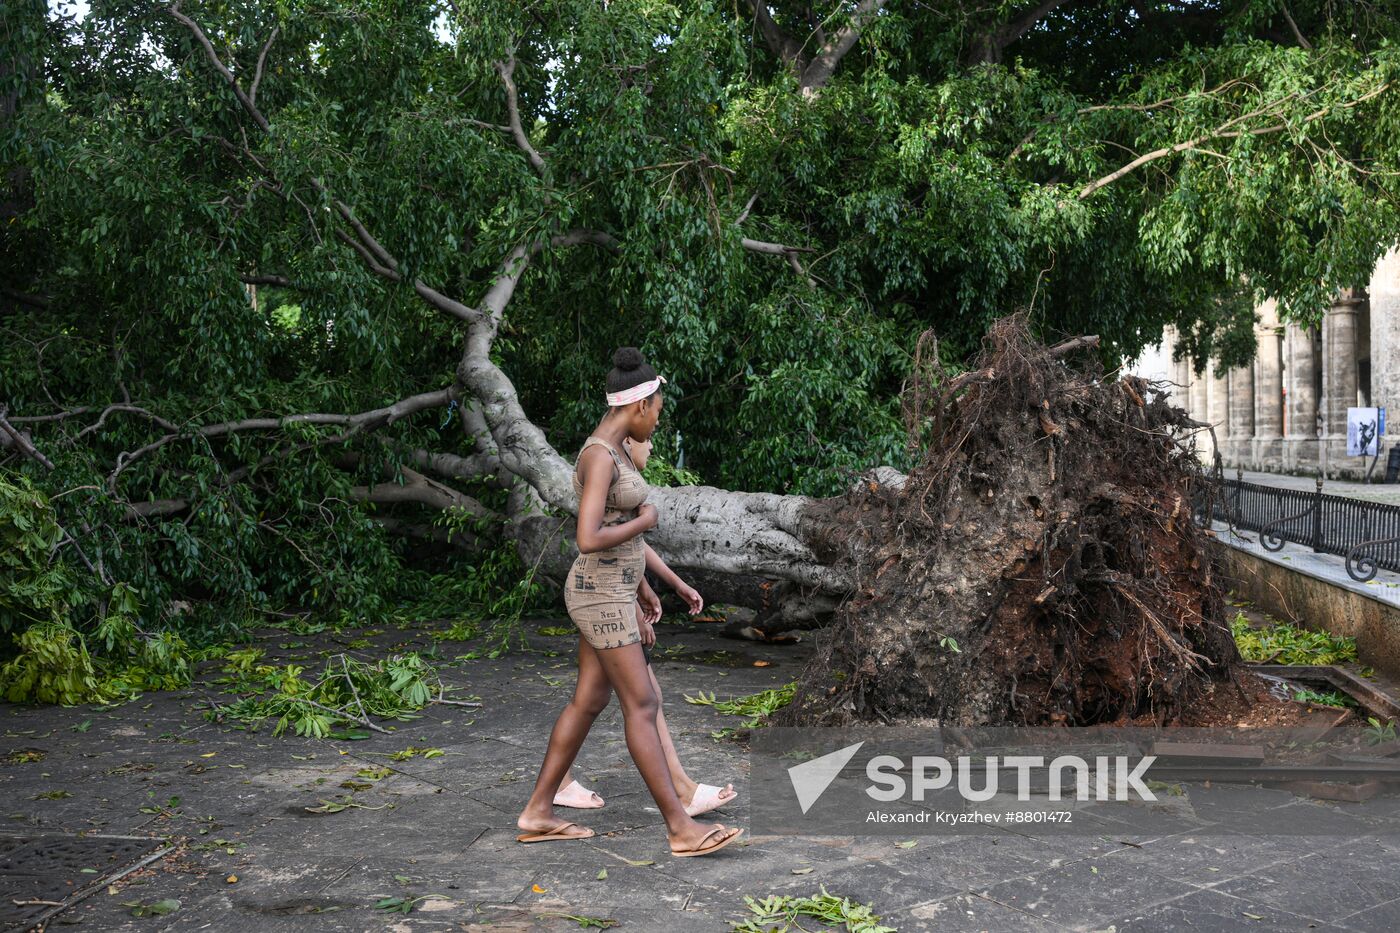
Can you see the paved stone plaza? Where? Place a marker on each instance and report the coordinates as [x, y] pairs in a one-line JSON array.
[[1370, 492], [446, 826]]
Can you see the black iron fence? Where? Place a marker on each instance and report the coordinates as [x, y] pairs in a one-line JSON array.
[[1367, 534]]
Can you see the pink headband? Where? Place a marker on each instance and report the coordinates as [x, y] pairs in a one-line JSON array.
[[636, 393]]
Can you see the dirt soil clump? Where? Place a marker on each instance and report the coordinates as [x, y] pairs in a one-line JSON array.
[[1040, 566]]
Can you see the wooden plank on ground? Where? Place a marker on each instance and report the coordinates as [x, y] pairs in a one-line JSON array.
[[1189, 753]]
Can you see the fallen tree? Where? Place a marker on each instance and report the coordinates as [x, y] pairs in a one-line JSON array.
[[356, 229], [754, 549]]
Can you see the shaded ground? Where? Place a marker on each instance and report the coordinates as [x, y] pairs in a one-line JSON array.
[[447, 827]]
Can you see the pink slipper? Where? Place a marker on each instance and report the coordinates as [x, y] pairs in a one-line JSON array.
[[579, 797], [707, 798]]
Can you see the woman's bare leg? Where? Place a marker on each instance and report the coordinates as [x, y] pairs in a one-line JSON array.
[[685, 787], [627, 673], [590, 697], [568, 777]]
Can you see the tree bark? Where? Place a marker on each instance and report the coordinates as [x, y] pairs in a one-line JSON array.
[[992, 44], [823, 64], [814, 71], [17, 196], [775, 551]]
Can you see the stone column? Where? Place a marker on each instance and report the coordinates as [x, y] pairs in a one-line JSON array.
[[1219, 393], [1184, 378], [1181, 387], [1339, 378], [1300, 443], [1200, 408], [1385, 347], [1268, 399], [1242, 416]]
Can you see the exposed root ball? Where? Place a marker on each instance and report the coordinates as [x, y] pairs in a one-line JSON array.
[[1040, 566]]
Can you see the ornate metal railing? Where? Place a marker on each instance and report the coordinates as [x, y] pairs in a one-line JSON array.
[[1367, 534]]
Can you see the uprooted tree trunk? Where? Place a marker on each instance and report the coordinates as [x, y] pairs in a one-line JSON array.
[[1040, 566]]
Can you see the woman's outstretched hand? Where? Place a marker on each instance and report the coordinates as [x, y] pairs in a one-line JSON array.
[[692, 599]]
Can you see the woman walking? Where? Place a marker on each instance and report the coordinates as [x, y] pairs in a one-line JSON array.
[[698, 798], [601, 596]]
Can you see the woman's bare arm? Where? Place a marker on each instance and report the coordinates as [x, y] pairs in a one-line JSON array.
[[658, 566], [693, 600]]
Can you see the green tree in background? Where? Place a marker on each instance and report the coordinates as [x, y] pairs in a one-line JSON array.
[[291, 291]]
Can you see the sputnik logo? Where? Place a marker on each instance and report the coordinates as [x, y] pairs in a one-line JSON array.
[[811, 778]]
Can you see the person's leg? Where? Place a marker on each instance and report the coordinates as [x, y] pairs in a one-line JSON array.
[[626, 670], [583, 798], [570, 729], [573, 794], [685, 787]]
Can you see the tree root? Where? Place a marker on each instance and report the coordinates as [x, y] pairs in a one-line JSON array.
[[1038, 567]]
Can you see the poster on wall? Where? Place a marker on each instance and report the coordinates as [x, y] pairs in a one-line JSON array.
[[1364, 427]]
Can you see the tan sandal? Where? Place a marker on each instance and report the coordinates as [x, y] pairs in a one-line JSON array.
[[702, 849], [556, 834]]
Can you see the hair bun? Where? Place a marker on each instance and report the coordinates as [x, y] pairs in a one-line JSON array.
[[627, 359]]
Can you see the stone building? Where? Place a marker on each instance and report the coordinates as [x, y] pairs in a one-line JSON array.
[[1287, 410]]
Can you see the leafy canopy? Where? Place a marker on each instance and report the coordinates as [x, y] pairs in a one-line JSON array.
[[1117, 167]]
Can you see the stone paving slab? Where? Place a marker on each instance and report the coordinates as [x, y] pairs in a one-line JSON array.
[[973, 913], [1295, 886], [1371, 492], [446, 826], [1381, 917], [1212, 910], [1105, 891], [1202, 860]]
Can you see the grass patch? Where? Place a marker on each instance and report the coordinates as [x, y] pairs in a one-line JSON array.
[[1325, 698], [1287, 644]]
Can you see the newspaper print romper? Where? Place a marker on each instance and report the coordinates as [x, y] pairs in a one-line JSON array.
[[601, 593]]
